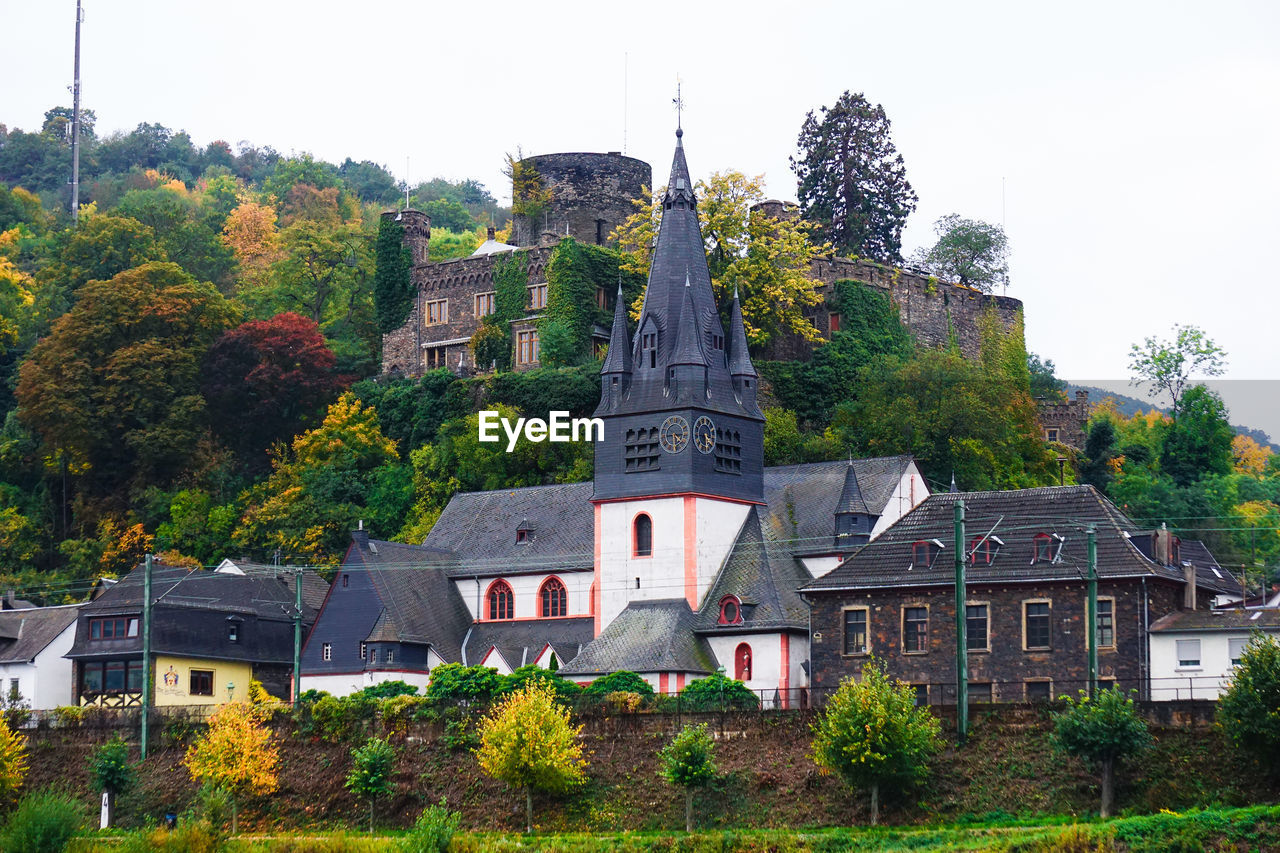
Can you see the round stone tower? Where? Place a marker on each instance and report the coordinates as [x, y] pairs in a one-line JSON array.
[[585, 195]]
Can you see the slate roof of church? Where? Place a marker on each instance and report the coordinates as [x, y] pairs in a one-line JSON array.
[[478, 529], [24, 633], [520, 642], [802, 499], [647, 636], [765, 577], [420, 603], [1018, 516]]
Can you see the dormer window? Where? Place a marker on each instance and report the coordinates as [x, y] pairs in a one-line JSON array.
[[524, 534], [730, 611], [924, 552], [233, 629], [983, 549], [649, 344], [1047, 547], [717, 341]]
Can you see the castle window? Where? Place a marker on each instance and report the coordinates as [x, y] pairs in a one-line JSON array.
[[742, 662], [501, 601], [730, 611], [527, 347], [602, 299], [728, 451], [1051, 435], [640, 450], [484, 304], [434, 357], [833, 322], [437, 312], [599, 232], [642, 537], [554, 598], [537, 296]]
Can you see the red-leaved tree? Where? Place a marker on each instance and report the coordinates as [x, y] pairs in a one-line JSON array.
[[266, 381]]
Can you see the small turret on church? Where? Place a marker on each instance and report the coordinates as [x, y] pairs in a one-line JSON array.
[[615, 374]]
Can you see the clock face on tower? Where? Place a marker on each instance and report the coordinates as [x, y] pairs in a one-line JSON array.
[[704, 434], [674, 434]]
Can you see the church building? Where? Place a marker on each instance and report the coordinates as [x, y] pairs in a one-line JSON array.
[[684, 557]]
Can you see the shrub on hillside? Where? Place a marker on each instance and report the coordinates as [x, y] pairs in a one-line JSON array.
[[621, 681], [453, 685], [718, 692], [42, 822]]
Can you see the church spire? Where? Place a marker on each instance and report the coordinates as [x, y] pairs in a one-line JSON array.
[[739, 359], [688, 350], [618, 359]]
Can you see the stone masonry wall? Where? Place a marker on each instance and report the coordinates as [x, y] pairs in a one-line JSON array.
[[930, 309], [1067, 421], [1006, 666], [591, 195]]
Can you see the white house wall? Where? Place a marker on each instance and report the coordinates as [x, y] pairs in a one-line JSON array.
[[909, 492], [524, 590], [1169, 681], [45, 683]]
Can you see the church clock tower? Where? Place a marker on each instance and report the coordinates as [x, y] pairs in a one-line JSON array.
[[682, 459]]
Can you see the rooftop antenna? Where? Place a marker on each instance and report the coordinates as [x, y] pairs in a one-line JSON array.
[[406, 182], [75, 125]]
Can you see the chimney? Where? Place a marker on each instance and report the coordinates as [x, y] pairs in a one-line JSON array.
[[361, 537], [1162, 546], [10, 602], [492, 233], [1189, 591]]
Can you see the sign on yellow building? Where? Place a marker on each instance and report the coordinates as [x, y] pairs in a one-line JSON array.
[[197, 681]]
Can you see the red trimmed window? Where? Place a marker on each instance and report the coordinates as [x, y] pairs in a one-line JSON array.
[[642, 539], [730, 611], [502, 601], [554, 597], [923, 552], [1044, 548], [742, 662]]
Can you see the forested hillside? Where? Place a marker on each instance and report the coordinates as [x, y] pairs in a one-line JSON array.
[[190, 371]]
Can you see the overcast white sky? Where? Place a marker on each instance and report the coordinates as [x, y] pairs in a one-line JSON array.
[[1130, 149]]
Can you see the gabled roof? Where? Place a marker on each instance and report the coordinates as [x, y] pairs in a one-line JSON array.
[[26, 632], [264, 595], [1018, 516], [520, 642], [803, 499], [764, 577], [648, 636], [420, 604], [1260, 619], [1208, 572], [478, 529]]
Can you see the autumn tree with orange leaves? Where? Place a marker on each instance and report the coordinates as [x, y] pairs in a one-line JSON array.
[[237, 754]]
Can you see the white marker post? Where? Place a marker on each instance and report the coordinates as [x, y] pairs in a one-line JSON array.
[[105, 820]]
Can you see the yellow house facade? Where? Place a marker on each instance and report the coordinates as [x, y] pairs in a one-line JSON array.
[[200, 681]]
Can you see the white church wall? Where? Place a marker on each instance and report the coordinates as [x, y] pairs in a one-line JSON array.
[[910, 491], [525, 592], [718, 523]]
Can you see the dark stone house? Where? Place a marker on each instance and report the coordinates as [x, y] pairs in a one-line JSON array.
[[1026, 564]]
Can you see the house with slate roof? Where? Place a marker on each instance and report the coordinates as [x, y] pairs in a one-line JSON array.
[[1026, 563], [685, 554], [212, 632], [1195, 652], [33, 641]]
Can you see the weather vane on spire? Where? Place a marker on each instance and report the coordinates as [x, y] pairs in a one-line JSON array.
[[679, 102]]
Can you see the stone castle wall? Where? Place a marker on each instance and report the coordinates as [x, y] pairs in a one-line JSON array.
[[1065, 422], [591, 196]]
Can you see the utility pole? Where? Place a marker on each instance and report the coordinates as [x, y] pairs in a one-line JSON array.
[[146, 653], [297, 634], [962, 639], [75, 128], [1091, 632]]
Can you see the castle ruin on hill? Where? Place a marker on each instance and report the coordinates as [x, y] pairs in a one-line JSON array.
[[586, 196]]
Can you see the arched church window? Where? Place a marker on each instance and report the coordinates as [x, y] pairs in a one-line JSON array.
[[730, 610], [554, 598], [501, 601], [742, 662], [642, 539]]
